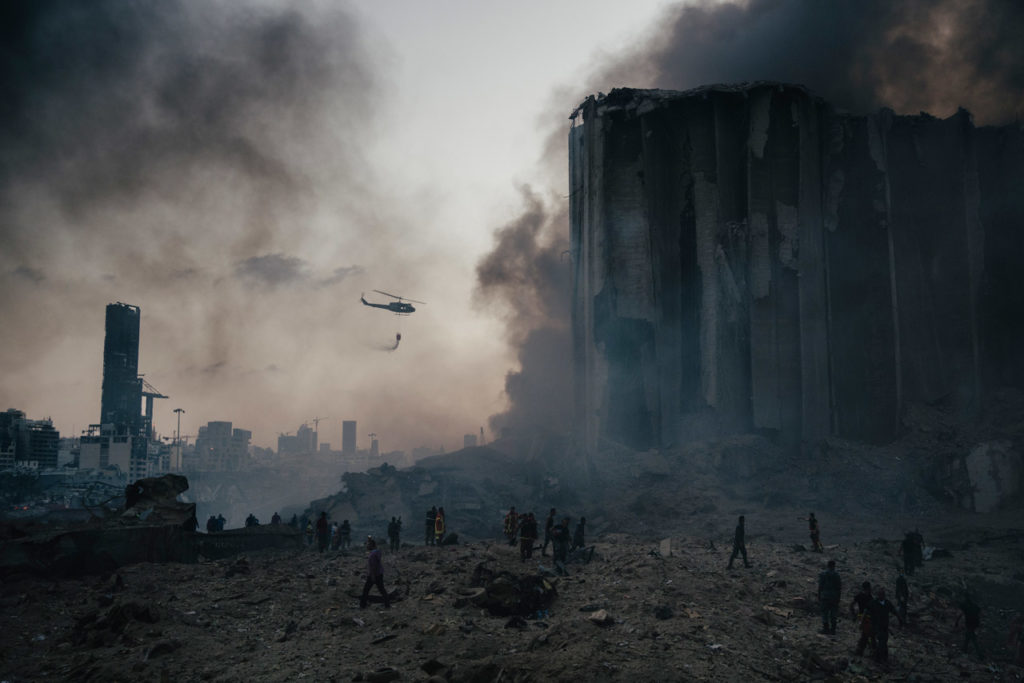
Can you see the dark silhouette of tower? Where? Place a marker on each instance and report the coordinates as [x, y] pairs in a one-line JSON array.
[[348, 437], [121, 400]]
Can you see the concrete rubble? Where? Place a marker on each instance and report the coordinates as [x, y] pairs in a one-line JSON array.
[[153, 526]]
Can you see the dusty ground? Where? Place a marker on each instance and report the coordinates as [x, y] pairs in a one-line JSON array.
[[291, 616]]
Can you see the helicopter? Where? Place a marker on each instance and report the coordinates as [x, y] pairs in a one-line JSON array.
[[399, 307]]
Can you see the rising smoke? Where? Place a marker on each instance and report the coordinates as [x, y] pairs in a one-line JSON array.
[[201, 160], [861, 55], [527, 277]]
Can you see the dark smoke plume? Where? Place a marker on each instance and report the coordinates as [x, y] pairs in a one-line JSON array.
[[911, 56], [527, 276], [861, 55]]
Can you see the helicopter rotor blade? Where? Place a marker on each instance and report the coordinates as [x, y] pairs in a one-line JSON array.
[[399, 298]]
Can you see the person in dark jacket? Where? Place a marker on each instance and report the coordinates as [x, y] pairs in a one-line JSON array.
[[578, 536], [323, 532], [374, 574], [830, 590], [548, 526], [880, 610], [739, 544], [859, 610], [428, 526], [971, 612], [527, 537], [902, 596]]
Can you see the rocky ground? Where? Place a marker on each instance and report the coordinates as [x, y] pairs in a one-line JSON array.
[[632, 614]]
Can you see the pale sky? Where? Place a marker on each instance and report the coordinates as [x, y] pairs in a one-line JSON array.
[[400, 187]]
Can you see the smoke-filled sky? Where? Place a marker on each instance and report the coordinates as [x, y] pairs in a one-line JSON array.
[[242, 171]]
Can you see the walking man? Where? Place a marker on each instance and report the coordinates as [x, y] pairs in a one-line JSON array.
[[830, 589], [548, 526], [374, 574], [739, 545]]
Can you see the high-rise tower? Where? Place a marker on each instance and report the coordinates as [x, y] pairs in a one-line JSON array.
[[121, 399]]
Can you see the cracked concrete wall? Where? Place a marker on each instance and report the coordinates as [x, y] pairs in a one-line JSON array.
[[747, 258]]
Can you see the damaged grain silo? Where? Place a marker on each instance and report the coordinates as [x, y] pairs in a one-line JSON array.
[[748, 258]]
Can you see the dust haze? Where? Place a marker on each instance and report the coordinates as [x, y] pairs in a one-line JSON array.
[[208, 163]]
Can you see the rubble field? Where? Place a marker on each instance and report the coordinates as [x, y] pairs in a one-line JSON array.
[[642, 609]]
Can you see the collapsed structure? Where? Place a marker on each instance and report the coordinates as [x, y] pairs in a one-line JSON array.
[[748, 258]]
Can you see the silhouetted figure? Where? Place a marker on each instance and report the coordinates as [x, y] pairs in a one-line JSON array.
[[323, 531], [294, 522], [374, 574], [275, 520], [221, 522], [394, 533], [345, 534], [578, 536], [309, 533], [251, 520], [739, 544], [902, 596], [812, 524], [548, 526], [511, 527], [191, 524], [560, 537], [211, 524], [859, 609], [428, 528], [971, 612], [335, 535], [830, 590], [908, 548], [880, 609], [527, 537]]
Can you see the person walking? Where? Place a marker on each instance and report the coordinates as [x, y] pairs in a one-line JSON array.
[[527, 537], [323, 532], [880, 610], [859, 609], [428, 527], [578, 536], [830, 590], [812, 524], [739, 544], [902, 595], [971, 612], [548, 526], [374, 574]]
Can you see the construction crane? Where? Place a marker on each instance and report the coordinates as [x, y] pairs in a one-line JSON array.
[[150, 392]]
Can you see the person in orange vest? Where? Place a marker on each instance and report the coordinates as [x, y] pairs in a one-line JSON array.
[[439, 526]]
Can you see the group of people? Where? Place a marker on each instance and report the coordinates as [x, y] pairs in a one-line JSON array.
[[524, 527], [871, 607], [326, 534], [215, 523]]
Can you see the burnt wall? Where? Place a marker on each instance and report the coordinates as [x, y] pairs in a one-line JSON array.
[[748, 259]]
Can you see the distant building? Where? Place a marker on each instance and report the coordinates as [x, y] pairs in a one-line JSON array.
[[348, 437], [469, 441], [306, 439], [121, 398], [27, 443], [374, 448], [220, 448], [102, 447]]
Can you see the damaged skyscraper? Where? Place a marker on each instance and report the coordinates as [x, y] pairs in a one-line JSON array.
[[748, 258]]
